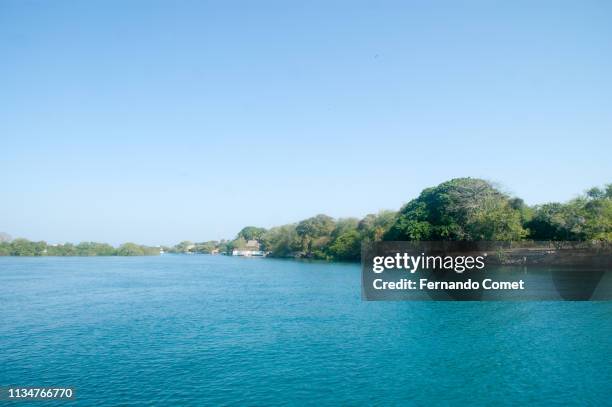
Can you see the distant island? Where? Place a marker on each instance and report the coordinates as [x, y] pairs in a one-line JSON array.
[[24, 247], [468, 209]]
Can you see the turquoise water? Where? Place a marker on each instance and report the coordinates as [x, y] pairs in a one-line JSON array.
[[214, 330]]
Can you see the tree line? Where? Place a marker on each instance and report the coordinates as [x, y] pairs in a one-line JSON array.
[[24, 247], [460, 209]]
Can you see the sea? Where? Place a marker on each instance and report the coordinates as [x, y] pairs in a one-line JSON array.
[[199, 330]]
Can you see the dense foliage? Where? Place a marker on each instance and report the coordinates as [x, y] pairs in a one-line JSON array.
[[24, 247], [459, 209], [209, 247], [585, 218]]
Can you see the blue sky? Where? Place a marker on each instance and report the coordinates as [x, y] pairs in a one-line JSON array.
[[161, 121]]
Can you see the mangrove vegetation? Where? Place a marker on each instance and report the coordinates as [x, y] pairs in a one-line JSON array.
[[460, 209]]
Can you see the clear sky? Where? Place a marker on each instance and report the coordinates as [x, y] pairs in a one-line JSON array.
[[159, 121]]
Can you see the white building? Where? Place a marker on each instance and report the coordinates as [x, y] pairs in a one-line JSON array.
[[251, 249]]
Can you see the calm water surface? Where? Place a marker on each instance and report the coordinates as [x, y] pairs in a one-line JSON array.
[[213, 330]]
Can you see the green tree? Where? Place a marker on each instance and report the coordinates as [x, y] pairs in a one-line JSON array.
[[374, 226], [130, 249], [24, 247], [183, 247], [67, 249], [238, 243], [315, 233], [588, 217], [281, 241], [206, 247], [556, 221], [459, 209], [94, 249], [5, 249], [347, 246], [251, 233], [598, 222]]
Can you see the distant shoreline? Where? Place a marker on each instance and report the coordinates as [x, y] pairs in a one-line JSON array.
[[533, 254], [462, 209]]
